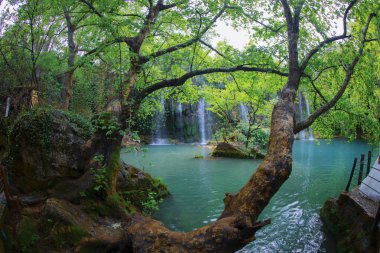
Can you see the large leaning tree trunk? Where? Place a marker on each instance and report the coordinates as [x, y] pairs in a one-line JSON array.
[[238, 223]]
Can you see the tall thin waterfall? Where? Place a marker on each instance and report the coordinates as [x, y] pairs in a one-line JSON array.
[[8, 107], [202, 121], [243, 112], [180, 121], [159, 133], [306, 133]]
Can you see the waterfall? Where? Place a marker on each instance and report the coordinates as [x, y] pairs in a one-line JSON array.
[[243, 112], [306, 133], [309, 130], [202, 121], [8, 107], [159, 119], [180, 121]]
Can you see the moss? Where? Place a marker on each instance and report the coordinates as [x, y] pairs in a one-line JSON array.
[[36, 122], [67, 236], [82, 123], [349, 237], [26, 235], [329, 215], [40, 123]]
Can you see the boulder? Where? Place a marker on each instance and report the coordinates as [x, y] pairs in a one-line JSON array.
[[350, 218], [224, 149], [135, 186], [45, 146]]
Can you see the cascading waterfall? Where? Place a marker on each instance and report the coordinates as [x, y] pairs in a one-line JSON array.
[[202, 121], [8, 107], [243, 112], [159, 133]]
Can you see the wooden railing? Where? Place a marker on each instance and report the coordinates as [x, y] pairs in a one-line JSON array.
[[361, 169]]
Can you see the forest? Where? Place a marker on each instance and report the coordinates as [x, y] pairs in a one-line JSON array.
[[140, 126]]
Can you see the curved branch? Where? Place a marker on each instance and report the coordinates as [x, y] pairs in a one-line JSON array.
[[349, 72], [181, 80], [331, 39], [145, 59], [91, 7], [215, 50], [316, 89], [272, 29]]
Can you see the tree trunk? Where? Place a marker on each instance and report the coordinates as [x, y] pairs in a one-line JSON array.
[[238, 223], [72, 51], [68, 93]]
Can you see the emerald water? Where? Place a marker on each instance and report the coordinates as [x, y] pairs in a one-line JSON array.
[[320, 170]]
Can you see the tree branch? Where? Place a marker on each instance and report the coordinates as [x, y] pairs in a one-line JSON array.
[[272, 29], [215, 50], [145, 59], [349, 72], [91, 6], [315, 88], [181, 80], [331, 39]]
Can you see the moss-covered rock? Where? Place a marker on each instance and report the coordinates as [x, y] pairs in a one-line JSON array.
[[137, 186], [350, 219], [224, 149], [45, 146]]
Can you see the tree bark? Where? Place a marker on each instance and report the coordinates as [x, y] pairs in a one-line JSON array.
[[72, 51]]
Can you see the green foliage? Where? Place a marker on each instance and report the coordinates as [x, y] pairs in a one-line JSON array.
[[40, 123], [101, 179], [151, 204], [108, 123], [27, 235], [67, 236], [199, 156], [83, 123], [253, 137]]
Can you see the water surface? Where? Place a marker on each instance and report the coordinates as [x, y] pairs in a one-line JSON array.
[[320, 170]]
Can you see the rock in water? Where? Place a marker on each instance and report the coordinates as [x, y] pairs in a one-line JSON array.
[[228, 150]]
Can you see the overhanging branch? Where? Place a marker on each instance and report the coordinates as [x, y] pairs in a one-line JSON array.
[[145, 59], [331, 39], [182, 79], [349, 72]]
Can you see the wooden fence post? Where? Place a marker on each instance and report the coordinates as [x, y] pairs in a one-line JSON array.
[[352, 174], [369, 161], [361, 169]]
